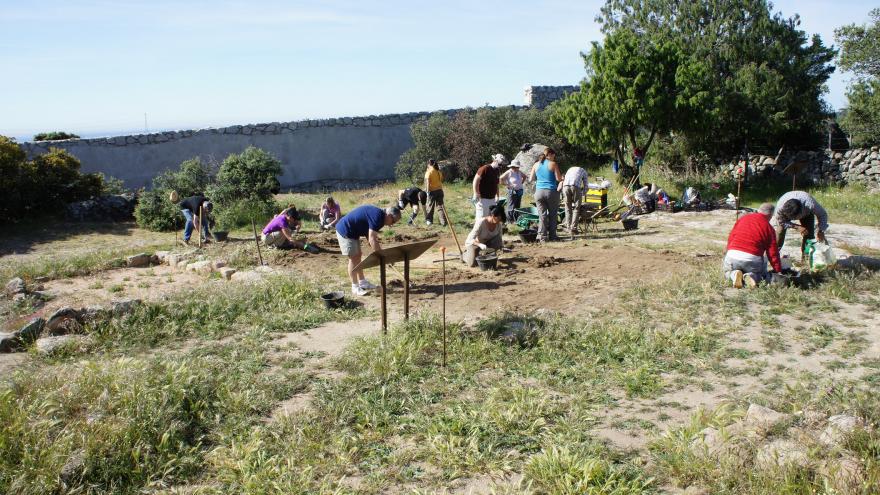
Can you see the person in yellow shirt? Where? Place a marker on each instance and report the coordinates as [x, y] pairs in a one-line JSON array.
[[434, 186]]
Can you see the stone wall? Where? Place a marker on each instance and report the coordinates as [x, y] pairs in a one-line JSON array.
[[541, 96], [314, 154], [821, 167]]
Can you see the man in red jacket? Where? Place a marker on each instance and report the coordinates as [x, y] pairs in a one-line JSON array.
[[751, 237]]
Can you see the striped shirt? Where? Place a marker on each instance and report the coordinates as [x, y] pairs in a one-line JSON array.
[[810, 207]]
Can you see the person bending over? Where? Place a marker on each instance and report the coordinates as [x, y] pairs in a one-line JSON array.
[[486, 234], [363, 221], [414, 197], [751, 237], [278, 233], [330, 214]]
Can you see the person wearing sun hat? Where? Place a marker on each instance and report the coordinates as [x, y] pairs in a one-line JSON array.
[[515, 181], [485, 185]]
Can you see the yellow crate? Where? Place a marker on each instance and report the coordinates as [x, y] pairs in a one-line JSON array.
[[596, 198]]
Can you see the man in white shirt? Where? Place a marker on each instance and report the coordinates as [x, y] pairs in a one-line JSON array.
[[574, 186]]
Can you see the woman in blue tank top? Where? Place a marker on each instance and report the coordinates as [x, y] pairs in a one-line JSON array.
[[548, 182]]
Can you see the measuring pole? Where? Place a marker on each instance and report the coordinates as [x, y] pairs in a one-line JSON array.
[[257, 241], [406, 286], [384, 295], [454, 236]]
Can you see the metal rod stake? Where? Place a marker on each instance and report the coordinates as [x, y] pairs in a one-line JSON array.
[[406, 287], [384, 295]]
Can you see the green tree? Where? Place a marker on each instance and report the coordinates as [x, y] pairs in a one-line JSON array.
[[630, 94], [245, 187], [155, 211], [860, 53], [750, 75], [55, 136]]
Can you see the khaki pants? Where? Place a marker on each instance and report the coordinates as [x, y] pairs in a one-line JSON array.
[[435, 199], [573, 197], [276, 240]]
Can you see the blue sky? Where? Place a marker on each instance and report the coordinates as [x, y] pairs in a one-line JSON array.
[[95, 67]]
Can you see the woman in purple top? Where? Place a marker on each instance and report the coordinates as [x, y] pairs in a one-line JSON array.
[[277, 233]]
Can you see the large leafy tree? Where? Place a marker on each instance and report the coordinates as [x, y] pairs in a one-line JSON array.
[[746, 74], [629, 96], [860, 53]]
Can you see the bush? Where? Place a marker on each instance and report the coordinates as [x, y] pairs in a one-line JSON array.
[[113, 185], [42, 185], [54, 136], [252, 174], [470, 138], [155, 211], [240, 213]]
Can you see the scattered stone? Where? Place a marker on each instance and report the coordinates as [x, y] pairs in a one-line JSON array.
[[708, 442], [227, 272], [15, 286], [199, 266], [47, 346], [839, 427], [19, 298], [73, 468], [93, 313], [124, 307], [218, 264], [60, 321], [9, 342], [41, 280], [182, 264], [781, 453], [32, 330], [542, 261], [138, 260], [264, 269], [846, 475], [762, 417], [171, 260]]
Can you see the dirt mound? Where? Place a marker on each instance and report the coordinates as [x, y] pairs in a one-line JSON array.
[[543, 261]]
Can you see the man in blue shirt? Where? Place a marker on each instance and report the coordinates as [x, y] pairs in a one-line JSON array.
[[363, 221]]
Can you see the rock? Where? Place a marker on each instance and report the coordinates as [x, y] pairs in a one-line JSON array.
[[47, 346], [171, 260], [114, 208], [846, 475], [695, 490], [9, 342], [708, 442], [247, 277], [20, 298], [762, 417], [41, 280], [781, 453], [264, 269], [73, 468], [218, 264], [138, 260], [199, 266], [31, 331], [182, 264], [227, 272], [125, 306], [15, 286], [63, 321], [93, 313], [839, 427]]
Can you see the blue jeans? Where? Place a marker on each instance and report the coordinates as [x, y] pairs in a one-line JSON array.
[[187, 230], [514, 201]]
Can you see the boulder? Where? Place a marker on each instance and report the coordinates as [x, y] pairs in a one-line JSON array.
[[115, 208], [73, 468], [138, 260], [161, 255], [782, 453], [124, 306], [171, 260], [31, 330], [47, 346], [845, 475], [218, 264], [199, 266], [93, 313], [247, 277], [761, 417], [227, 272], [9, 342], [64, 321], [15, 286], [839, 427]]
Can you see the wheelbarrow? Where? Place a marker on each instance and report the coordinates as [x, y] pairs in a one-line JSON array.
[[525, 217]]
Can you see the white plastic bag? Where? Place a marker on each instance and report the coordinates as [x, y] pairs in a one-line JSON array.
[[821, 255]]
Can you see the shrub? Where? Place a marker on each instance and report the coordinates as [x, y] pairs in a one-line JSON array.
[[54, 136], [469, 138], [250, 175], [240, 213], [112, 185], [155, 211]]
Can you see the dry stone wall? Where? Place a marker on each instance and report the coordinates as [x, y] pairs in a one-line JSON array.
[[315, 153], [821, 167]]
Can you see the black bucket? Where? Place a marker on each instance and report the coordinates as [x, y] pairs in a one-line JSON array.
[[488, 261], [528, 235], [630, 224], [333, 300], [221, 235]]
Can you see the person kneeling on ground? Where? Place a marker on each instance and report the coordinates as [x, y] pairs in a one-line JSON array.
[[414, 197], [330, 214], [486, 234], [750, 238], [278, 233], [363, 221], [192, 207], [799, 205]]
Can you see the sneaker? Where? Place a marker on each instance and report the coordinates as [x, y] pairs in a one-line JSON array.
[[751, 283], [366, 284], [358, 291], [738, 279]]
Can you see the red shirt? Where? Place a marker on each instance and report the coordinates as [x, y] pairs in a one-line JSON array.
[[753, 234]]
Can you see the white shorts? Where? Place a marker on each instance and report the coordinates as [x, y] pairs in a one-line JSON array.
[[349, 247]]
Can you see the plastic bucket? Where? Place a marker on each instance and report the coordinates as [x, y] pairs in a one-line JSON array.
[[630, 224], [221, 235], [487, 262], [528, 235]]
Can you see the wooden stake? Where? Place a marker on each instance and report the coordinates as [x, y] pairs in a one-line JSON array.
[[257, 241], [739, 182], [443, 254], [454, 236], [406, 287], [384, 295], [201, 211]]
